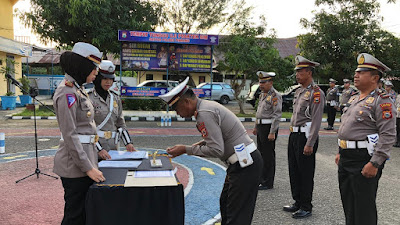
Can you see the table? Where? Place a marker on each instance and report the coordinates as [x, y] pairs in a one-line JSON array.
[[112, 203]]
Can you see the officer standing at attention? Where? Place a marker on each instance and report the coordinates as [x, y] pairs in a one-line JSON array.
[[224, 137], [390, 91], [308, 107], [108, 112], [76, 158], [332, 101], [268, 116], [365, 137], [346, 93]]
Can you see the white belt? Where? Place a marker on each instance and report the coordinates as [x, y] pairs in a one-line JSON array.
[[86, 139], [106, 134], [298, 129], [233, 158], [264, 121], [352, 144]]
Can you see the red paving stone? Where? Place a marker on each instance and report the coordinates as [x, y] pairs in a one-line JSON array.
[[37, 201]]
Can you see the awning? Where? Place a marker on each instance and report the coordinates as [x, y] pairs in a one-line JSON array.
[[15, 47]]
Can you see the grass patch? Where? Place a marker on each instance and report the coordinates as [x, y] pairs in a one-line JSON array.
[[39, 112]]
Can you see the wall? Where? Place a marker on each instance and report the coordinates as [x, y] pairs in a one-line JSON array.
[[6, 21]]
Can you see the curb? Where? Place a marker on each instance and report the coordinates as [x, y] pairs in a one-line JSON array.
[[148, 118]]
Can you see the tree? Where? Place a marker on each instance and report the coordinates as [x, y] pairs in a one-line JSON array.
[[337, 37], [245, 53], [199, 16], [66, 22]]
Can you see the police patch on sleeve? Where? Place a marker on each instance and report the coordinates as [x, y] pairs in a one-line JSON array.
[[386, 110], [201, 127], [317, 97], [71, 99]]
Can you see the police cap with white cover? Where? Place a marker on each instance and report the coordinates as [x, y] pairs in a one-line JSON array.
[[88, 51], [107, 69], [331, 80], [265, 76], [388, 83], [368, 62], [302, 62], [174, 95], [346, 81]]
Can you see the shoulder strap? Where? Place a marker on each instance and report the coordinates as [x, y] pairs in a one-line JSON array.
[[109, 113]]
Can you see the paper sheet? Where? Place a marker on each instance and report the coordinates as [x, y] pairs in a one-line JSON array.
[[133, 181], [119, 164], [160, 173], [118, 155]]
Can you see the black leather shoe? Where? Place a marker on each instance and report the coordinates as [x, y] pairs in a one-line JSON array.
[[264, 187], [301, 214], [290, 208]]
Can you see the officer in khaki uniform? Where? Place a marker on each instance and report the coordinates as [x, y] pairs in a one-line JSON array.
[[268, 115], [332, 101], [390, 91], [346, 94], [108, 112], [366, 135], [222, 133], [308, 107], [76, 158], [397, 105]]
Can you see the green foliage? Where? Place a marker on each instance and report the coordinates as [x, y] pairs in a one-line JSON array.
[[39, 112], [9, 68], [25, 84], [143, 104], [197, 16], [10, 93], [94, 21], [337, 37]]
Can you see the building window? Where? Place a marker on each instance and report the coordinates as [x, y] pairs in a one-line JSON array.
[[149, 76], [202, 79]]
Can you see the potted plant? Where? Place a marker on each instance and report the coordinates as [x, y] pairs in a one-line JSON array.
[[25, 98], [9, 100]]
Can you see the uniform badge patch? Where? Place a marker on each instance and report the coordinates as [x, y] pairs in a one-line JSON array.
[[68, 83], [317, 97], [71, 99], [370, 100], [115, 104], [269, 98], [202, 128], [386, 110], [307, 94]]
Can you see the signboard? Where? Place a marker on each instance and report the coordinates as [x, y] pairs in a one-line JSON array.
[[166, 37], [159, 56], [154, 92]]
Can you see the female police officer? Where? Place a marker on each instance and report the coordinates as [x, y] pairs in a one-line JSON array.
[[108, 112], [76, 159]]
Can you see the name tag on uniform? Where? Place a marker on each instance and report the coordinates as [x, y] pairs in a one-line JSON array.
[[243, 155]]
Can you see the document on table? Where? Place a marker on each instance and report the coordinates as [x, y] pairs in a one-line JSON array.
[[159, 173], [119, 164], [118, 155]]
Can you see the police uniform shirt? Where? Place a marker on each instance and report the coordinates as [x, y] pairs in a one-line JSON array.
[[101, 110], [220, 129], [308, 106], [270, 107], [75, 116], [332, 94], [398, 105], [392, 95], [373, 114], [346, 94]]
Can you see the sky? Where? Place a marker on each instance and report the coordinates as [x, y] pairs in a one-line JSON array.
[[282, 15]]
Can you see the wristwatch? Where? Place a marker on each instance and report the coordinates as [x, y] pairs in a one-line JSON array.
[[375, 164]]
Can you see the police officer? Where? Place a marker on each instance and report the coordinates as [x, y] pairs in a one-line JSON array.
[[332, 101], [390, 91], [365, 136], [346, 93], [76, 158], [222, 133], [108, 112], [268, 115], [397, 105], [308, 107]]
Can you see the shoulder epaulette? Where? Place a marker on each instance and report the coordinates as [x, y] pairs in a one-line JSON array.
[[384, 95], [316, 88], [90, 91], [115, 92], [354, 92]]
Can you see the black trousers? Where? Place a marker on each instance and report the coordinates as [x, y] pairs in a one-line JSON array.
[[301, 170], [75, 190], [358, 193], [331, 111], [398, 130], [267, 150], [239, 194]]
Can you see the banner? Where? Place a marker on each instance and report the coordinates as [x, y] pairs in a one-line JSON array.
[[166, 37], [159, 56], [154, 92]]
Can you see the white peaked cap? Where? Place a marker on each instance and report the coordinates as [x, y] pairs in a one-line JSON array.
[[173, 96], [107, 69], [265, 75], [368, 62], [302, 62], [88, 51]]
